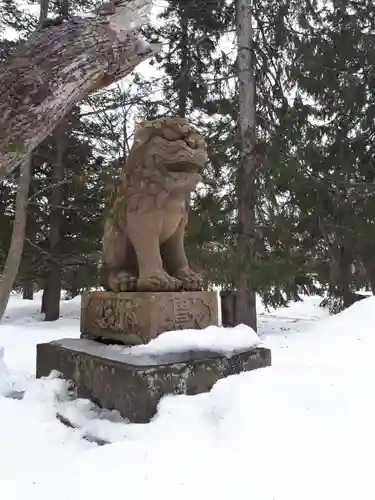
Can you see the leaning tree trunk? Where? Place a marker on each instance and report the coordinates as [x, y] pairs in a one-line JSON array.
[[246, 171], [14, 257], [61, 65], [18, 235]]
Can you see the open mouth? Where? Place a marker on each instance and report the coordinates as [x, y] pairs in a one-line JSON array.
[[183, 167]]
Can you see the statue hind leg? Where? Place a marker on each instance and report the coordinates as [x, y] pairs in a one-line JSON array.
[[119, 262]]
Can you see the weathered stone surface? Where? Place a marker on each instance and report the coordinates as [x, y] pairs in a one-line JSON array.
[[133, 384], [143, 241], [138, 317]]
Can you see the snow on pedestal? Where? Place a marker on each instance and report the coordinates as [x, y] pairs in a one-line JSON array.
[[223, 341], [133, 380]]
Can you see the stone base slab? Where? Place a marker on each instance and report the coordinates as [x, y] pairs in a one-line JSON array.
[[132, 318], [132, 383]]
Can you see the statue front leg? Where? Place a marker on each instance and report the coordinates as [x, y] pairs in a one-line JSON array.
[[176, 262], [144, 232]]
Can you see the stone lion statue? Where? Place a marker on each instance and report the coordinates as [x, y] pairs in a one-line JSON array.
[[143, 243]]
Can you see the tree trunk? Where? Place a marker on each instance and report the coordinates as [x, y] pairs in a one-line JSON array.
[[52, 294], [369, 265], [345, 277], [27, 264], [52, 282], [44, 298], [28, 290], [43, 11], [245, 182], [61, 65], [18, 235], [184, 78], [52, 288], [20, 223], [228, 308], [28, 250]]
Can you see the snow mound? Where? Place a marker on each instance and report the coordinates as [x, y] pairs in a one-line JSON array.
[[225, 341], [11, 383], [300, 429], [359, 317], [337, 341], [3, 374]]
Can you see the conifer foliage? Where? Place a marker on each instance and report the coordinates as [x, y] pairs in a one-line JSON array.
[[310, 197]]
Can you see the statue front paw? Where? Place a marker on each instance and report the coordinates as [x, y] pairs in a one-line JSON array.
[[159, 281], [191, 281], [122, 281]]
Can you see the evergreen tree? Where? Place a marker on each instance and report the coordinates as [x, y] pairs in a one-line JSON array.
[[335, 71]]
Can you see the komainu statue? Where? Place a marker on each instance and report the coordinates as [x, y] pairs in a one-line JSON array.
[[143, 243]]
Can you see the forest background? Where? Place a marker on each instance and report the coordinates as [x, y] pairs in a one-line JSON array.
[[310, 192]]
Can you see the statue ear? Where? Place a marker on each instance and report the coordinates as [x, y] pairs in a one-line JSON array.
[[146, 129], [142, 133]]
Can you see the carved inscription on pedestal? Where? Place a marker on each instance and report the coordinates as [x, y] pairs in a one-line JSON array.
[[114, 316], [133, 317], [182, 311], [120, 315]]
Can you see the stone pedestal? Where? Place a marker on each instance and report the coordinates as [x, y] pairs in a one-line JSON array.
[[137, 317], [133, 384]]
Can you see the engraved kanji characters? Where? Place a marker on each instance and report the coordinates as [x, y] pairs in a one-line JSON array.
[[182, 312]]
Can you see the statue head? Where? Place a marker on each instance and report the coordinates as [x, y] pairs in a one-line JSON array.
[[171, 147]]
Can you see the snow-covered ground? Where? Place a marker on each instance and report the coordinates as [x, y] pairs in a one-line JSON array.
[[302, 429]]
